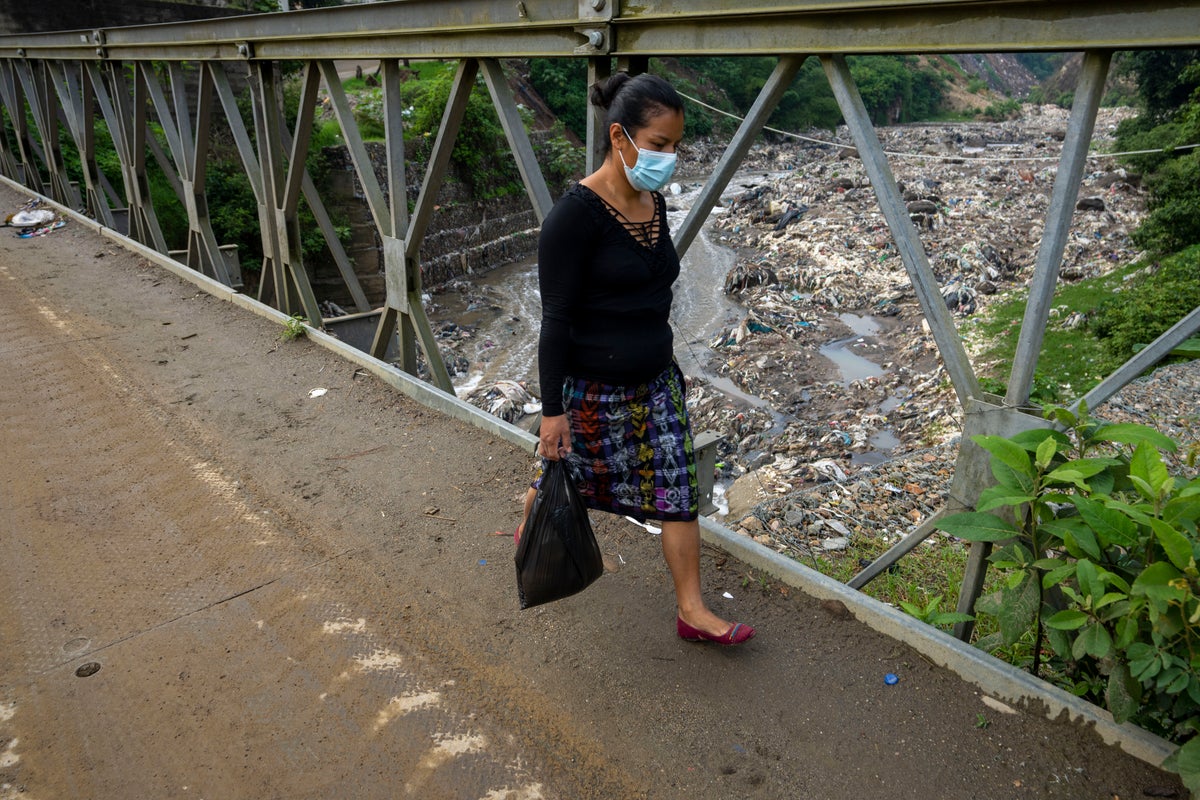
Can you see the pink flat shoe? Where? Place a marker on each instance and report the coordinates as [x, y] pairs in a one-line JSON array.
[[737, 634]]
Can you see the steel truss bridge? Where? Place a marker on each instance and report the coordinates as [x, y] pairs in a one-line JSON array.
[[123, 76]]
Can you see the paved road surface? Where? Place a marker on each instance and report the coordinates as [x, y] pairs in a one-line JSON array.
[[300, 597]]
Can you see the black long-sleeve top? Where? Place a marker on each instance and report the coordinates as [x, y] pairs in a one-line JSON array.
[[606, 297]]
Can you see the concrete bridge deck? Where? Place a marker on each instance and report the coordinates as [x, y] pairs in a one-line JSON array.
[[298, 597]]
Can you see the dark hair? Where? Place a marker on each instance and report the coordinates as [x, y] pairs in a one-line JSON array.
[[632, 101]]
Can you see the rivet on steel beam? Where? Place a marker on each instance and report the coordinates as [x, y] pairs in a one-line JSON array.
[[100, 53], [97, 37], [521, 11], [595, 39], [20, 52], [597, 5], [244, 50]]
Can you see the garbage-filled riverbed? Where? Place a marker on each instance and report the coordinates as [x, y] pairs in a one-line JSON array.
[[798, 327]]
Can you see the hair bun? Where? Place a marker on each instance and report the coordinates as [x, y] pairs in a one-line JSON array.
[[604, 92]]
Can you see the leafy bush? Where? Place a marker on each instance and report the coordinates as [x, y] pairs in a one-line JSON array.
[[562, 83], [1002, 110], [481, 155], [1143, 311], [1174, 218], [1169, 87], [1098, 545], [893, 88]]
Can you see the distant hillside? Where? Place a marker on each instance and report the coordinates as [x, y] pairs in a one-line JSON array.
[[1119, 89], [1002, 72]]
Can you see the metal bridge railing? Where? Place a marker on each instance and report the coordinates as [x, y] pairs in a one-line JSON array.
[[125, 75]]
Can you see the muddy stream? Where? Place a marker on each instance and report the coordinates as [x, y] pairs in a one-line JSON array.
[[499, 314]]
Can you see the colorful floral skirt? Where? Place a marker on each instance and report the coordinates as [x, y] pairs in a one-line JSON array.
[[632, 447]]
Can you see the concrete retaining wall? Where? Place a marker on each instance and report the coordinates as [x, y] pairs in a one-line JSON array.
[[466, 235]]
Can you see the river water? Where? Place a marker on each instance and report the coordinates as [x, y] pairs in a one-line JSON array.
[[503, 307]]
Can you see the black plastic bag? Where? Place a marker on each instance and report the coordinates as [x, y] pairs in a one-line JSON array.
[[558, 555]]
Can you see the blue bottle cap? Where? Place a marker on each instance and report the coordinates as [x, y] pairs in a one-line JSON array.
[[891, 679]]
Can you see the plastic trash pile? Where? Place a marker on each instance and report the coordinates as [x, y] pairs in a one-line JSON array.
[[34, 219]]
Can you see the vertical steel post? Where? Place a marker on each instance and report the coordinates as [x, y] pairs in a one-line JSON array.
[[908, 243], [768, 98], [78, 104], [289, 283], [273, 288], [8, 162], [35, 77], [126, 116], [1058, 224], [393, 112], [14, 103], [404, 314], [202, 241], [189, 154], [599, 70], [518, 138]]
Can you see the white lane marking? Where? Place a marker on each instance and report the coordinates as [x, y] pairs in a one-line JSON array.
[[399, 706], [9, 758], [228, 489], [53, 318], [447, 749], [531, 792], [380, 661], [343, 625]]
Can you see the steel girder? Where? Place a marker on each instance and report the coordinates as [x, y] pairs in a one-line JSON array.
[[531, 28]]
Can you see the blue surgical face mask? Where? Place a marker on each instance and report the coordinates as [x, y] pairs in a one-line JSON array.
[[652, 169]]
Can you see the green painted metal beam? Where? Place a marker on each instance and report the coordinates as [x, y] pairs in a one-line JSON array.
[[947, 27], [532, 28]]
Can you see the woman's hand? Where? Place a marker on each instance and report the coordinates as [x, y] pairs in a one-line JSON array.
[[555, 437]]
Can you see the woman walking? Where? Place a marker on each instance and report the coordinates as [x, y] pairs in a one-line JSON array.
[[613, 396]]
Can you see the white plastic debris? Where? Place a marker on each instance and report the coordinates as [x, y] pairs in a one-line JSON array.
[[508, 400], [318, 392], [829, 469], [651, 528], [996, 705], [31, 217]]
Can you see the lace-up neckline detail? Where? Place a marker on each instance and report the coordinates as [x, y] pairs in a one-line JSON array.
[[645, 233]]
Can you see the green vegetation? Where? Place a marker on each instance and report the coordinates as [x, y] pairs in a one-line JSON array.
[[1002, 110], [481, 157], [918, 583], [1114, 315], [294, 328], [1162, 294], [1169, 93], [893, 88], [1097, 546], [1042, 65], [562, 83], [1075, 357]]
